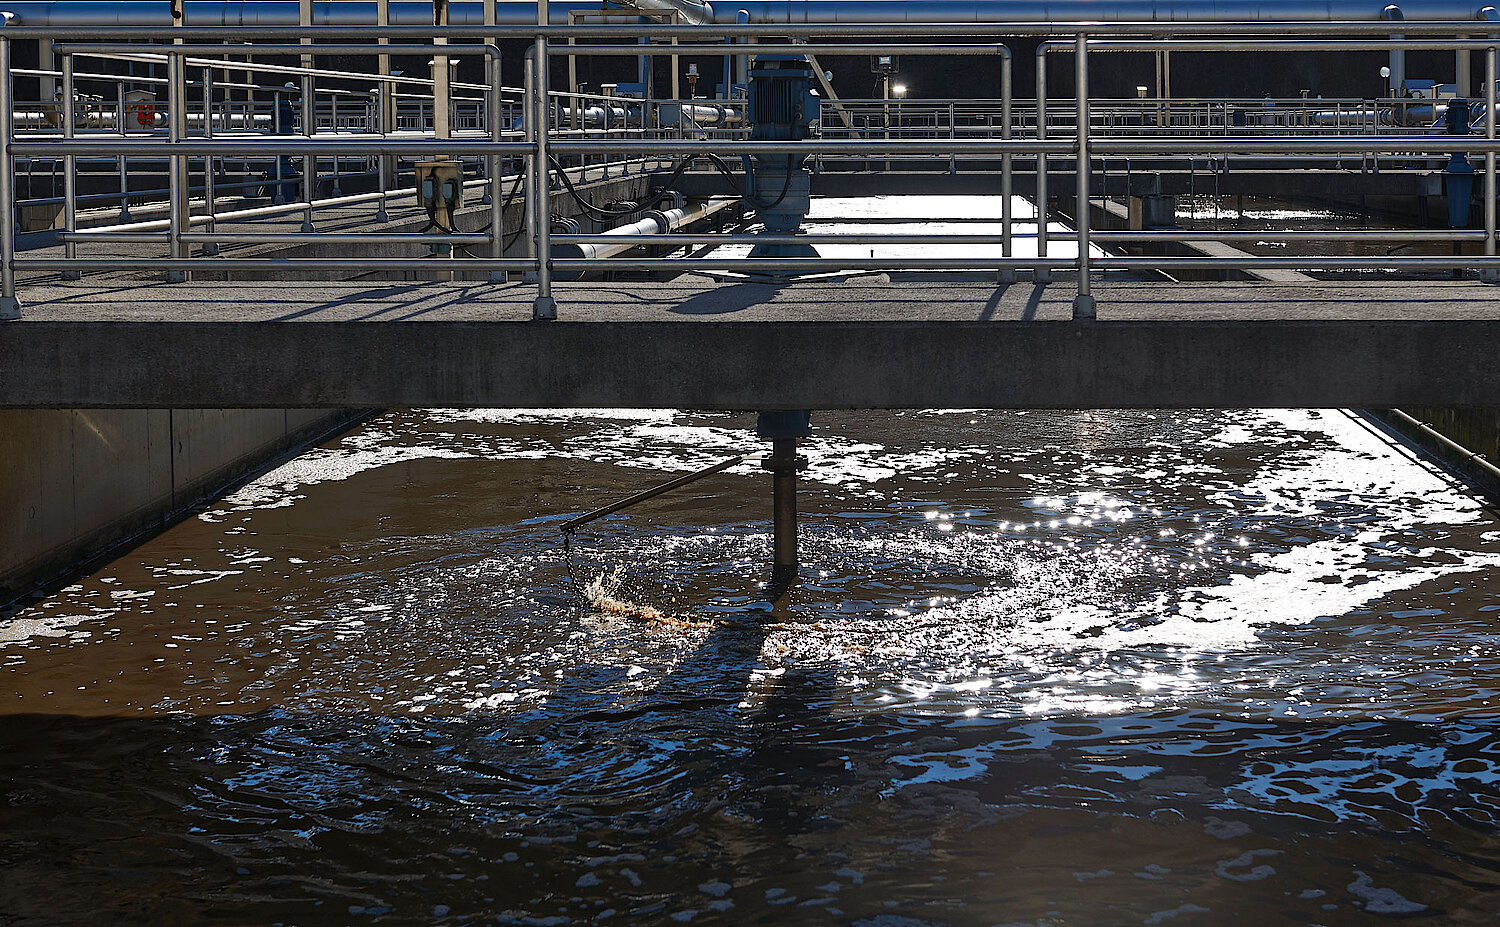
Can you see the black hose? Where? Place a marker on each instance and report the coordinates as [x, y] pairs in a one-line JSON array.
[[742, 193], [604, 213]]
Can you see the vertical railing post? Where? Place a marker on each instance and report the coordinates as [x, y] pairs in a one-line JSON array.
[[1007, 274], [1083, 303], [309, 116], [544, 308], [209, 248], [953, 137], [442, 78], [1489, 274], [70, 167], [121, 161], [10, 307], [528, 164], [1041, 274], [385, 117], [278, 197], [177, 179], [493, 167]]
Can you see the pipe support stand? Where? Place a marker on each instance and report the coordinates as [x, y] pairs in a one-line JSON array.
[[783, 463]]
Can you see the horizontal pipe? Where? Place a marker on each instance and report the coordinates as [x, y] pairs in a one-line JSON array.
[[1471, 458], [780, 265], [257, 212], [293, 264], [261, 146], [628, 236], [469, 14], [801, 265], [1276, 45], [265, 48], [835, 238], [772, 48], [651, 493], [1101, 145], [277, 238]]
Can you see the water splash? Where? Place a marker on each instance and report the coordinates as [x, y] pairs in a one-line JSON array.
[[602, 593]]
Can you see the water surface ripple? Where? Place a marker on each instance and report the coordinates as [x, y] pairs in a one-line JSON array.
[[1084, 668]]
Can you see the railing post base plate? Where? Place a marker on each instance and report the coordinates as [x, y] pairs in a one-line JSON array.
[[10, 309], [1488, 275], [1005, 276], [177, 276], [1041, 275], [72, 275], [1083, 307], [544, 309]]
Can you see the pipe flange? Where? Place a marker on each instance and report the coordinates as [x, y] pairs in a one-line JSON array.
[[782, 464], [663, 224]]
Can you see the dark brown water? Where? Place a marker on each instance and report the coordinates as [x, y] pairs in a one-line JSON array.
[[1047, 668]]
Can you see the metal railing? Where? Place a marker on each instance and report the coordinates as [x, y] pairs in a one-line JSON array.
[[544, 134]]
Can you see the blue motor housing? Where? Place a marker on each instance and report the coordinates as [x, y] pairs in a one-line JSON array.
[[783, 106]]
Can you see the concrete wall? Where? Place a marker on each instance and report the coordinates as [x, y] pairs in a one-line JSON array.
[[1465, 440], [77, 485]]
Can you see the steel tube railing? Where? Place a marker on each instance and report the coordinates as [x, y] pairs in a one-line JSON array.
[[538, 202], [334, 33], [951, 131], [221, 146], [209, 194], [1083, 303], [687, 238], [494, 172], [10, 307], [177, 197], [680, 239], [1007, 206], [1489, 159], [1042, 274], [789, 265], [70, 164]]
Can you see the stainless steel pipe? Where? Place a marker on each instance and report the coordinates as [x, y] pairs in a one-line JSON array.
[[157, 13]]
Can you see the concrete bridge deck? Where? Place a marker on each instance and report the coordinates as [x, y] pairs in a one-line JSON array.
[[860, 343]]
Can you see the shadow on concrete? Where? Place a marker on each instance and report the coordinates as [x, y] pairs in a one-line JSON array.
[[990, 305], [726, 299], [393, 313], [385, 292], [1038, 290]]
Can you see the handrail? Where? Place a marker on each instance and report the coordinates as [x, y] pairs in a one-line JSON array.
[[526, 130]]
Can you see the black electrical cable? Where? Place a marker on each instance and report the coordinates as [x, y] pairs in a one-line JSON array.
[[742, 193], [604, 213], [510, 197]]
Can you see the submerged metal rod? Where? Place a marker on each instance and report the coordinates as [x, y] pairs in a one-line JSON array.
[[783, 464], [651, 493]]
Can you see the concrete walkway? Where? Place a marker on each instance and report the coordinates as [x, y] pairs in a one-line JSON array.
[[700, 299]]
